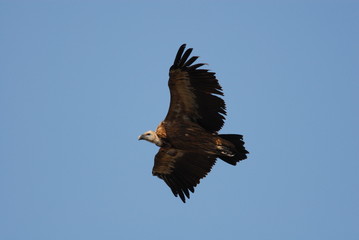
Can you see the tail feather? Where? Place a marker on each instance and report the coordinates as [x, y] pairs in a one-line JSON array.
[[240, 151]]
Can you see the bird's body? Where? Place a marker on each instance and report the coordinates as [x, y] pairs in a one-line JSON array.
[[191, 137], [188, 137]]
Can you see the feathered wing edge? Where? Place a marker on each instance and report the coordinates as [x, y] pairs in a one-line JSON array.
[[181, 170]]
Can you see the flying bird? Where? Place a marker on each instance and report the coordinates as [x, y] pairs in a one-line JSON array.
[[188, 137]]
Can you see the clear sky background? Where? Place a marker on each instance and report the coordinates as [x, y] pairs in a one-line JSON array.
[[80, 80]]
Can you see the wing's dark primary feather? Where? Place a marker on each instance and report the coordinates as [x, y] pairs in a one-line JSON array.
[[181, 170], [185, 56], [179, 54], [195, 93]]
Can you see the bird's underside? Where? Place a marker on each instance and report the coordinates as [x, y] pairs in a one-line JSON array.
[[188, 137]]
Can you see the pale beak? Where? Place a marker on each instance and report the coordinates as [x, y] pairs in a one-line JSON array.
[[141, 137]]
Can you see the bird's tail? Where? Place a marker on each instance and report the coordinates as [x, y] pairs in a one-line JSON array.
[[239, 153]]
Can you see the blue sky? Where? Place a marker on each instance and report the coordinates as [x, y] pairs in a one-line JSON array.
[[80, 80]]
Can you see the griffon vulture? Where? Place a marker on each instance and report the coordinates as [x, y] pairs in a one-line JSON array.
[[188, 137]]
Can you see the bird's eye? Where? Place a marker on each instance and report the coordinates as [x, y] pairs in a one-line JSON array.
[[148, 134]]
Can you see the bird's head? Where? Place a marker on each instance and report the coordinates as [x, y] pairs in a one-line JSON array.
[[150, 136]]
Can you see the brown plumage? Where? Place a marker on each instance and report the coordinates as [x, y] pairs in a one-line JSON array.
[[188, 137]]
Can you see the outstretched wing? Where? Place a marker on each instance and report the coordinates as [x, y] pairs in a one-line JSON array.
[[194, 93], [181, 170]]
